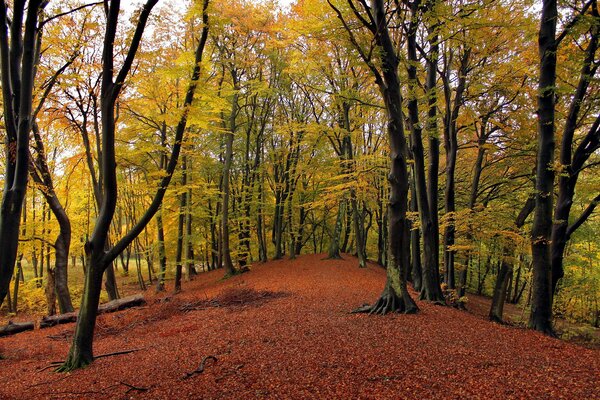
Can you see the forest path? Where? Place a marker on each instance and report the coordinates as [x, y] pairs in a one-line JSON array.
[[295, 338]]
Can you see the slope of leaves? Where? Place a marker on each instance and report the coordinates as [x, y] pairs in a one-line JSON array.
[[295, 338]]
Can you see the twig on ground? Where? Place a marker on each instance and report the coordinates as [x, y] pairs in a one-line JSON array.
[[132, 387], [200, 368], [47, 382], [101, 391], [117, 353]]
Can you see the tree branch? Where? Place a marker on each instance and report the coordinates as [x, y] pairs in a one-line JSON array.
[[583, 217], [62, 14]]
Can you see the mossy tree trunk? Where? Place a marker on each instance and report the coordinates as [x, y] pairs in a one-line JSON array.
[[395, 296]]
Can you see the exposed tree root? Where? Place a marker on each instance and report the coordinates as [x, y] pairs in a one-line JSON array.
[[544, 328], [389, 302], [74, 362]]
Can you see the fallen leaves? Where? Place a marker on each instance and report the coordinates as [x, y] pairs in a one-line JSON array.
[[284, 331]]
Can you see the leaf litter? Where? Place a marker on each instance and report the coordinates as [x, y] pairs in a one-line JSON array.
[[284, 330]]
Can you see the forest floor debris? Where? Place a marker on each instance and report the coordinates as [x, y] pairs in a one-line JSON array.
[[299, 342]]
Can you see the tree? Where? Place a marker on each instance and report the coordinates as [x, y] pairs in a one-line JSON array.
[[81, 353], [425, 189], [395, 296], [574, 158], [549, 236], [541, 302], [17, 61]]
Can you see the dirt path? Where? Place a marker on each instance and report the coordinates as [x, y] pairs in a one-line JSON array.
[[296, 340]]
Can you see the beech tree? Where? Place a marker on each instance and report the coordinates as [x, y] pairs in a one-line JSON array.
[[81, 352], [549, 235], [18, 42], [395, 296]]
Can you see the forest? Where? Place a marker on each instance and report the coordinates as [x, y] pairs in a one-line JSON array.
[[431, 157]]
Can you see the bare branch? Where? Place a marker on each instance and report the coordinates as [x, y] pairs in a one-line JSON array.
[[583, 217]]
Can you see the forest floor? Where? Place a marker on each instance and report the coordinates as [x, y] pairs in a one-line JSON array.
[[284, 330]]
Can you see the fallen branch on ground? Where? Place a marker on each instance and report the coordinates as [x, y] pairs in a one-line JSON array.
[[15, 327], [111, 306], [131, 387], [200, 368]]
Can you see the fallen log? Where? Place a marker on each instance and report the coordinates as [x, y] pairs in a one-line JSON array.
[[58, 319], [121, 304], [15, 327], [111, 306]]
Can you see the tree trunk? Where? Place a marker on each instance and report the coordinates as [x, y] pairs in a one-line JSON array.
[[500, 289], [395, 296], [451, 148], [81, 352], [110, 282], [541, 303], [18, 278], [225, 250], [415, 242], [162, 252], [181, 239], [16, 327], [262, 242], [18, 58], [430, 289], [503, 280], [431, 127], [334, 244], [190, 261], [361, 253], [50, 291], [572, 163]]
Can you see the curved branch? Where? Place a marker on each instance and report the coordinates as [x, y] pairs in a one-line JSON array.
[[583, 217]]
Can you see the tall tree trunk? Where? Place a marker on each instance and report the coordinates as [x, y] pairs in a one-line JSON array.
[[359, 232], [395, 296], [572, 162], [17, 60], [334, 244], [430, 289], [415, 242], [181, 225], [260, 230], [231, 127], [41, 175], [541, 302], [347, 228], [162, 252], [277, 235], [191, 267], [225, 250], [451, 148], [431, 127]]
